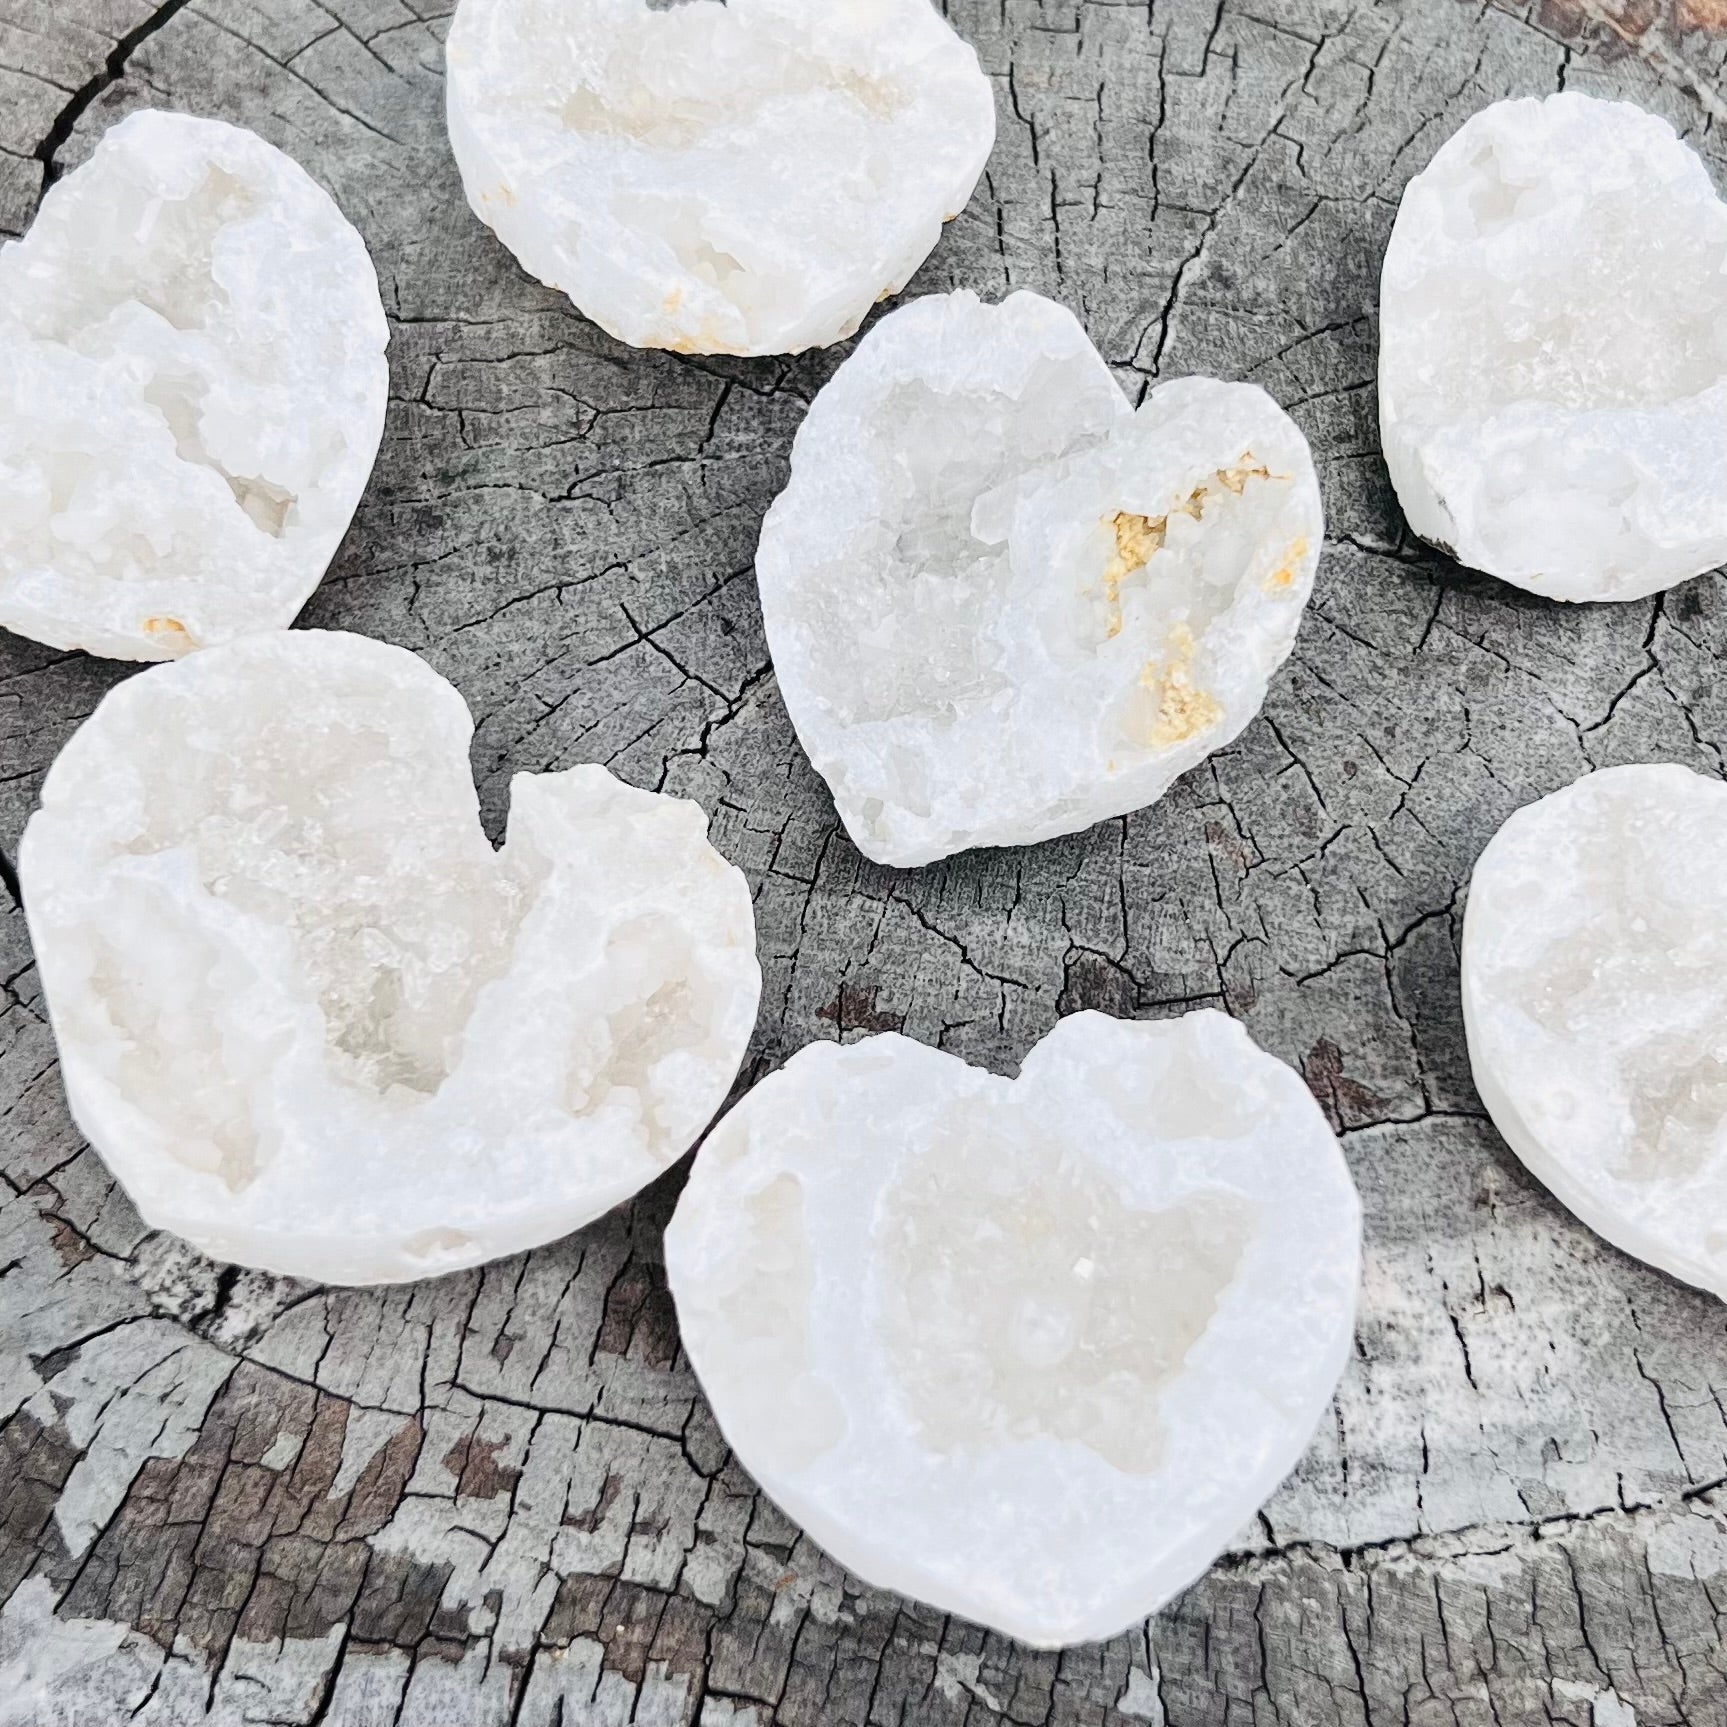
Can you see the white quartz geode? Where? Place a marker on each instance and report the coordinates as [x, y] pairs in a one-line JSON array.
[[192, 390], [315, 1023], [1031, 1351], [1595, 1002], [1001, 604], [738, 178], [1553, 351]]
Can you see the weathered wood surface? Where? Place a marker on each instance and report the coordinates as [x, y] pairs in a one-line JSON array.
[[499, 1497]]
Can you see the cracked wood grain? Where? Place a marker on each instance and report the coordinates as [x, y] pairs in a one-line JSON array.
[[499, 1497]]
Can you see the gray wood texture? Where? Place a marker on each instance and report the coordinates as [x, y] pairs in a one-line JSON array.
[[499, 1497]]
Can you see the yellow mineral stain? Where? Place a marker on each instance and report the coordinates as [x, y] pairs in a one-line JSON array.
[[1183, 708], [1284, 575], [708, 338], [873, 94], [1138, 537], [166, 627], [1235, 479]]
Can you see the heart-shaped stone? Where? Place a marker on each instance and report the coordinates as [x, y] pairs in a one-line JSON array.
[[1595, 1001], [1553, 350], [314, 1022], [192, 390], [740, 178], [1031, 1351], [1001, 604]]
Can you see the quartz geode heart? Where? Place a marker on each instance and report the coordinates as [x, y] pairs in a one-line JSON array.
[[192, 390], [1553, 351], [1595, 1001], [1030, 1351], [315, 1023], [1002, 605], [738, 178]]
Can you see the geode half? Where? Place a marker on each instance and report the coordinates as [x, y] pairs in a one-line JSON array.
[[315, 1023], [192, 390]]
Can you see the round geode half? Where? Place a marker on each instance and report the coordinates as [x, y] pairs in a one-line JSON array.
[[1002, 605], [1595, 1002], [1031, 1351], [740, 178], [1553, 351], [315, 1023], [192, 390]]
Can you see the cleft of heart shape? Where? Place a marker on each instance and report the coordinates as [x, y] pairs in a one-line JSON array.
[[1031, 1351], [1003, 604]]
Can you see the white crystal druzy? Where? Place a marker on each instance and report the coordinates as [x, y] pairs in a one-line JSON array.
[[1553, 351], [308, 1015], [192, 390], [739, 178], [1030, 1351], [1001, 604], [1595, 1001]]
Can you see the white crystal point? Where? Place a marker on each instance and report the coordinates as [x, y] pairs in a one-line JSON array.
[[1553, 351], [738, 178], [1031, 1351], [192, 390], [1001, 604], [312, 1020], [1595, 1002]]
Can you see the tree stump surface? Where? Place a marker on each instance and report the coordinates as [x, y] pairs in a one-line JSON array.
[[499, 1497]]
